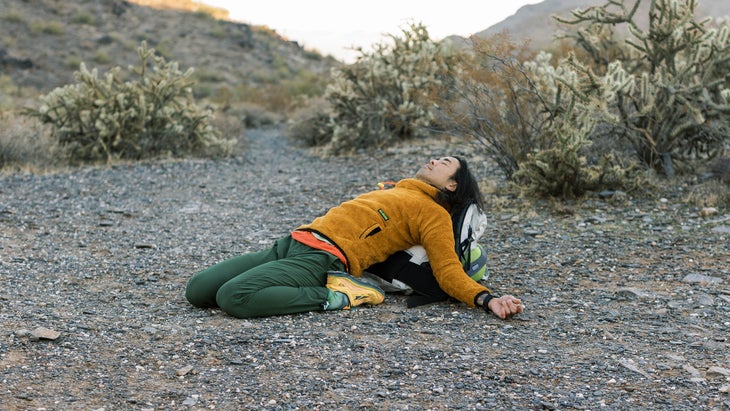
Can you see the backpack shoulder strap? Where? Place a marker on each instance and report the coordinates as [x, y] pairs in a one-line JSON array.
[[469, 224]]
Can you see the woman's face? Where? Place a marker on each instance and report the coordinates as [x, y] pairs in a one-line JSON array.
[[439, 173]]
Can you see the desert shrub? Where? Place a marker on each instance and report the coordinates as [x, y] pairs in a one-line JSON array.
[[280, 95], [570, 98], [25, 144], [664, 94], [7, 90], [218, 31], [152, 115], [231, 125], [495, 101], [677, 109], [308, 124], [564, 174], [384, 96], [536, 118], [256, 116], [102, 57], [54, 28], [305, 84], [72, 62], [13, 94], [13, 15], [212, 76], [84, 17]]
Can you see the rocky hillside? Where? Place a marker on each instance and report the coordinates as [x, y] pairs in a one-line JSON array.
[[535, 23], [42, 42]]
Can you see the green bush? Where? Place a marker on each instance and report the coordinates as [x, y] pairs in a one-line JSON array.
[[308, 124], [664, 95], [54, 28], [84, 17], [676, 107], [536, 118], [25, 144], [108, 118], [12, 15], [384, 96], [102, 57]]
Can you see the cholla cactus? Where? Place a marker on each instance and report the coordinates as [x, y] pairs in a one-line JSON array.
[[105, 118], [571, 97], [382, 97], [678, 109]]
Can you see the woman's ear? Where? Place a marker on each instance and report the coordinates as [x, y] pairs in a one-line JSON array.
[[451, 186]]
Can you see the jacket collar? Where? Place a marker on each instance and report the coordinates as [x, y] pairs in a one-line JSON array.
[[415, 184]]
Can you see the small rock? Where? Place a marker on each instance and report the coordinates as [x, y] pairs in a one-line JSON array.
[[43, 333], [675, 357], [696, 375], [708, 211], [718, 371], [725, 388], [22, 333], [705, 300], [632, 293], [596, 220], [184, 370], [702, 279], [631, 366], [675, 304], [722, 229]]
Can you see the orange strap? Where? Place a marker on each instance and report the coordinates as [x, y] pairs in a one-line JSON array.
[[308, 238], [386, 184]]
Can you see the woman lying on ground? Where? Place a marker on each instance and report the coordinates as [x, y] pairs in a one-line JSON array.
[[316, 267]]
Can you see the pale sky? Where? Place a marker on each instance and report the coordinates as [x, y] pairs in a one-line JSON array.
[[335, 26]]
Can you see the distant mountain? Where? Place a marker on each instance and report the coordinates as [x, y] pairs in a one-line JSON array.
[[534, 22]]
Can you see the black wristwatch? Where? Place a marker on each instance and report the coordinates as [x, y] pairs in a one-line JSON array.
[[485, 303]]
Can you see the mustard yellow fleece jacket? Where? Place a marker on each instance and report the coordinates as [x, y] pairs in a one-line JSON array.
[[374, 225]]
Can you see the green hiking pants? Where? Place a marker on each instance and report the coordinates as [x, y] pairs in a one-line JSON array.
[[287, 278]]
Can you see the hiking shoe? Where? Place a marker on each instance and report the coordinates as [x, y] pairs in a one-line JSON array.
[[358, 292]]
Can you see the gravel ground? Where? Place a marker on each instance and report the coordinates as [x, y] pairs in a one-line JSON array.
[[628, 301]]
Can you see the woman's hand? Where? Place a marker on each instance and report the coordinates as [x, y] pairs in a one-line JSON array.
[[505, 306]]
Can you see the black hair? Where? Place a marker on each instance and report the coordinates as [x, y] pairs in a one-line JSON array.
[[467, 190]]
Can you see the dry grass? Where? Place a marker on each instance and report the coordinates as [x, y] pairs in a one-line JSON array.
[[27, 145], [711, 193]]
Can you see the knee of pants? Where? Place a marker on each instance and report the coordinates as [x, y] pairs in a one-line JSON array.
[[195, 295], [230, 299]]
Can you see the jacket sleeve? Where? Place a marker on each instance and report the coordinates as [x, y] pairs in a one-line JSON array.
[[438, 240]]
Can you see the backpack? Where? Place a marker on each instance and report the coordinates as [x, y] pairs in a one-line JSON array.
[[409, 272], [469, 225]]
